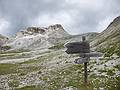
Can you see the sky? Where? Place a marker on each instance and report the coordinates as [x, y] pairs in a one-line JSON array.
[[76, 16]]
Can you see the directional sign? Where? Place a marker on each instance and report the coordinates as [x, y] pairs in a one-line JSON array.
[[91, 54], [77, 47], [81, 60], [83, 48]]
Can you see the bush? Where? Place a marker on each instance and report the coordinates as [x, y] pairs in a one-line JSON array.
[[57, 46], [110, 50], [5, 47]]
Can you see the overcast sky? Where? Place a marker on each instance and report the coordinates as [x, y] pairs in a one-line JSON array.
[[76, 16]]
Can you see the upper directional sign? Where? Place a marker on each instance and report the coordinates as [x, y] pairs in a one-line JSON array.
[[77, 47]]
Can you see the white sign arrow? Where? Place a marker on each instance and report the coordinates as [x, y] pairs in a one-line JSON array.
[[81, 60], [91, 54]]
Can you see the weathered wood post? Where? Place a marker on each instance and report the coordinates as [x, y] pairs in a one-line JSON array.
[[85, 65]]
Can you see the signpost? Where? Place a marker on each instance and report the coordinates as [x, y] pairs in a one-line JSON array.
[[83, 48]]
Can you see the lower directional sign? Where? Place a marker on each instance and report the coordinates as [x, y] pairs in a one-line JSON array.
[[81, 60]]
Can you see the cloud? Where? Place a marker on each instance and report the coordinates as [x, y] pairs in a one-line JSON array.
[[77, 16], [4, 25]]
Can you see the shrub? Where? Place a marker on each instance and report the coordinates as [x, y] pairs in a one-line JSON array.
[[110, 50], [5, 47], [57, 46]]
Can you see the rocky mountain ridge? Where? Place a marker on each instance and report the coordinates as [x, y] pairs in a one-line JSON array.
[[42, 37], [52, 31], [37, 37]]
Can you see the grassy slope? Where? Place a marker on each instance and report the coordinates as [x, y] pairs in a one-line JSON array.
[[56, 71]]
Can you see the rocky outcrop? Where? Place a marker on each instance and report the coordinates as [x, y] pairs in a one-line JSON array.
[[42, 37], [3, 39], [37, 37], [57, 31]]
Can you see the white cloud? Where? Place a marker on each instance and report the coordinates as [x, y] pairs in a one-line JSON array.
[[47, 19], [104, 23], [88, 4], [77, 16], [4, 25], [58, 18]]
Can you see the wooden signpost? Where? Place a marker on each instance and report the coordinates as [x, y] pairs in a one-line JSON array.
[[83, 48]]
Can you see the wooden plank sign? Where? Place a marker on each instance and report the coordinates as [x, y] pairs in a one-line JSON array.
[[77, 47]]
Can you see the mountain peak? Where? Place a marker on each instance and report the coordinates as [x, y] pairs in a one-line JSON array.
[[36, 30], [55, 27], [109, 36], [37, 37], [52, 30], [115, 22]]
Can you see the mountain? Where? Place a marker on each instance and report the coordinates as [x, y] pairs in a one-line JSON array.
[[43, 37], [111, 35], [3, 39], [37, 37]]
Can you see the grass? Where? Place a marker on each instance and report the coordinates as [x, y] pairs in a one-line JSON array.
[[57, 46], [101, 70], [68, 76], [71, 76], [25, 70], [43, 58], [108, 51], [8, 69], [117, 66], [108, 83], [30, 65], [110, 72], [13, 51], [16, 68], [13, 55], [33, 87], [7, 55], [13, 83]]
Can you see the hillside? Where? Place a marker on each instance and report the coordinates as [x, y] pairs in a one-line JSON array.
[[109, 36], [108, 41]]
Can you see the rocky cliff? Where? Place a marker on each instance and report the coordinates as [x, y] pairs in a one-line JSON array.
[[43, 37], [3, 39], [37, 37]]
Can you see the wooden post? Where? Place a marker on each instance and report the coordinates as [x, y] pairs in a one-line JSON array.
[[85, 67], [85, 73]]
